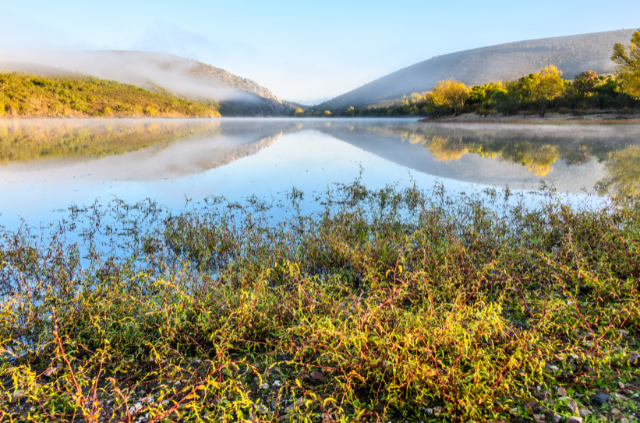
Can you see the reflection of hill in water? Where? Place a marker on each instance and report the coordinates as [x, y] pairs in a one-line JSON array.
[[133, 149], [569, 157], [187, 157], [37, 139]]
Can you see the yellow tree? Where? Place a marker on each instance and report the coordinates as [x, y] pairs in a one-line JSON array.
[[545, 86], [451, 94], [629, 65]]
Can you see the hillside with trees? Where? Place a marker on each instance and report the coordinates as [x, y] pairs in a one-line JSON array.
[[157, 72], [536, 93], [572, 55], [24, 95]]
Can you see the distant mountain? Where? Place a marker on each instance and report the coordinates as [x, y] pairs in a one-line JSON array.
[[185, 77], [571, 54]]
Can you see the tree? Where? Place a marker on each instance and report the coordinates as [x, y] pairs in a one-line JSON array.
[[507, 101], [585, 82], [629, 66], [481, 93], [545, 86], [451, 94]]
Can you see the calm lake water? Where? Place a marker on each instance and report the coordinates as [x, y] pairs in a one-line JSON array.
[[47, 165]]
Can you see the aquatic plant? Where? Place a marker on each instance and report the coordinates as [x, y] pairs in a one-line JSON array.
[[384, 305]]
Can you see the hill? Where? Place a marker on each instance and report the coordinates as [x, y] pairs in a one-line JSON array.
[[83, 96], [184, 77], [571, 54]]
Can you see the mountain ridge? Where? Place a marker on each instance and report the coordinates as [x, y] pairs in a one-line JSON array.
[[188, 78], [571, 54]]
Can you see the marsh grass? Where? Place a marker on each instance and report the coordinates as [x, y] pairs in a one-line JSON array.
[[386, 305]]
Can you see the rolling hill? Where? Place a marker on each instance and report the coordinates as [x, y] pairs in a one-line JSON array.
[[571, 54], [77, 95], [185, 77]]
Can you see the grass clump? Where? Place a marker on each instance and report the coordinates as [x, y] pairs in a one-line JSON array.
[[386, 305]]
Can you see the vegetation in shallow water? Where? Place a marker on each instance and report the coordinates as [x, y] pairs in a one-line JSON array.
[[387, 305]]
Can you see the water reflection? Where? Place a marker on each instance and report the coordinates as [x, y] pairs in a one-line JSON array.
[[572, 158], [33, 140], [130, 149], [47, 164]]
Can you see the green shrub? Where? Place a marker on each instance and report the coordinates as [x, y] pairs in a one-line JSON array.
[[150, 110], [388, 305]]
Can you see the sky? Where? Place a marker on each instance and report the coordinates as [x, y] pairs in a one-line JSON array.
[[303, 51]]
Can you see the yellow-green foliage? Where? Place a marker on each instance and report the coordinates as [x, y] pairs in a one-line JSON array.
[[450, 94], [544, 86], [481, 93], [388, 306], [33, 96], [629, 65], [42, 140]]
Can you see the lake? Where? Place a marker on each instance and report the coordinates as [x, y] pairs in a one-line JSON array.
[[47, 165]]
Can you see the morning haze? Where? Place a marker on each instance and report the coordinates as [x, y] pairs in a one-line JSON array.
[[336, 212]]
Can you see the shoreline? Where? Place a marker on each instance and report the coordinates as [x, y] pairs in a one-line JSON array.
[[550, 118], [4, 118]]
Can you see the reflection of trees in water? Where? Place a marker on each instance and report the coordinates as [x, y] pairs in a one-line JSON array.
[[623, 169], [538, 159], [537, 153], [445, 148], [41, 140]]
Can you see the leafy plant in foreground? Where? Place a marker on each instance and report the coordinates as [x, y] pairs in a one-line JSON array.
[[385, 305]]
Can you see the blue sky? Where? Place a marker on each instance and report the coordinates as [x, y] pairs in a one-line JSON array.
[[301, 50]]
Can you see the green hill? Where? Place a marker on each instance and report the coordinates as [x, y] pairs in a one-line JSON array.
[[24, 95], [191, 79], [571, 54]]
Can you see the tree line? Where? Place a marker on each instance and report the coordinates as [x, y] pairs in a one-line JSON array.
[[536, 93]]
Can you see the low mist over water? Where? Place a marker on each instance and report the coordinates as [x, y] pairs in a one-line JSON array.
[[49, 165]]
